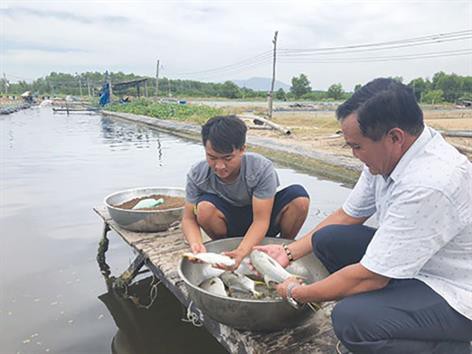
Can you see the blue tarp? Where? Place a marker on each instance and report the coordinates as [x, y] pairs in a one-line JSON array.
[[105, 94]]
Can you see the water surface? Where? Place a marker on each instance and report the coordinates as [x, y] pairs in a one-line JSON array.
[[54, 169]]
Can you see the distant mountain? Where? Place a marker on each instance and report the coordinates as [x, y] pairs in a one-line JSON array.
[[261, 84]]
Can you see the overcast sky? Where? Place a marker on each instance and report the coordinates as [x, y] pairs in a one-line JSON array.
[[195, 36]]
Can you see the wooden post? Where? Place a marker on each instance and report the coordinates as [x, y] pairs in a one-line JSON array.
[[271, 93], [157, 78], [80, 85], [88, 87], [5, 82]]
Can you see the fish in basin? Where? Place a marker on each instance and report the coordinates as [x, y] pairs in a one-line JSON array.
[[269, 268], [210, 258], [215, 286], [238, 282]]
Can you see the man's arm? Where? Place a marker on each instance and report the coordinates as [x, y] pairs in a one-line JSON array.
[[303, 246], [191, 229], [350, 280], [261, 209]]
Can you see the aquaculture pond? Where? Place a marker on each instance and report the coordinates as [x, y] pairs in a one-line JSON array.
[[54, 169]]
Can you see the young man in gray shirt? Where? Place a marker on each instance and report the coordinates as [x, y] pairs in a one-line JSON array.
[[234, 193]]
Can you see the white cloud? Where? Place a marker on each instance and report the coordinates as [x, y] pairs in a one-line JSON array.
[[189, 36]]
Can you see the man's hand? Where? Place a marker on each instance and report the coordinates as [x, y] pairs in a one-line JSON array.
[[197, 247], [282, 287], [277, 252], [237, 255]]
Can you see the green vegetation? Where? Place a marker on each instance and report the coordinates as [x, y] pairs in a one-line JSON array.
[[194, 113], [300, 86], [442, 88]]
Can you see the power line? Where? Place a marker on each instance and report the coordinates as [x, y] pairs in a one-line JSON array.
[[409, 42], [263, 55], [235, 70], [311, 54], [332, 60]]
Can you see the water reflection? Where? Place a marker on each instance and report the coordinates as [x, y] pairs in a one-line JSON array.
[[117, 134], [154, 330]]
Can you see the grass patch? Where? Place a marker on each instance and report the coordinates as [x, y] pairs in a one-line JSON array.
[[172, 111]]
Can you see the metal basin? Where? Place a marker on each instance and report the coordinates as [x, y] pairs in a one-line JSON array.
[[144, 220], [255, 315]]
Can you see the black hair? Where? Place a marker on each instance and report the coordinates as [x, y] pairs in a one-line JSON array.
[[225, 133], [381, 105]]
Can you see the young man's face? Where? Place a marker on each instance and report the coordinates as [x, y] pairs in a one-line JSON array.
[[225, 166], [379, 156]]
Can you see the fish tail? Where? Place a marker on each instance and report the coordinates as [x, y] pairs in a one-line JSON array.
[[257, 294]]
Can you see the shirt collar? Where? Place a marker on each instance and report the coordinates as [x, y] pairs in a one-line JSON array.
[[411, 153]]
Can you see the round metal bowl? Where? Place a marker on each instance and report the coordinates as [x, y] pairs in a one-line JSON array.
[[254, 315], [144, 220]]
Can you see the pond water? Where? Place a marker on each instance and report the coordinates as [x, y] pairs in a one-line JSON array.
[[54, 169]]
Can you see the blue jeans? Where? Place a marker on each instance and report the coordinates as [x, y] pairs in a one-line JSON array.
[[239, 219], [406, 316]]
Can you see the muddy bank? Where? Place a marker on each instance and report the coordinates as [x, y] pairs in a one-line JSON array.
[[334, 167], [13, 107]]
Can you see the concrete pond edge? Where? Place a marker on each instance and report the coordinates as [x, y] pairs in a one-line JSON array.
[[321, 164]]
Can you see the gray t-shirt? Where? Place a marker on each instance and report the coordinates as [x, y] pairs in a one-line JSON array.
[[257, 178]]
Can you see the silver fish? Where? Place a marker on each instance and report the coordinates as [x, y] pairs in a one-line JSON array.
[[215, 286], [208, 271], [210, 258], [245, 269], [236, 281], [270, 269]]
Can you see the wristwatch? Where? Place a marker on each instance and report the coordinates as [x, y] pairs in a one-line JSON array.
[[294, 303]]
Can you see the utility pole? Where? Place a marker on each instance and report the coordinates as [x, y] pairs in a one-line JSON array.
[[271, 93], [157, 78], [80, 85], [5, 82], [88, 87]]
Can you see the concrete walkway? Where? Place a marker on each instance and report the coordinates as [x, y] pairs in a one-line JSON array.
[[330, 166]]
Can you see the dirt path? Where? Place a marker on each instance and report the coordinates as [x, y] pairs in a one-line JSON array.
[[320, 130]]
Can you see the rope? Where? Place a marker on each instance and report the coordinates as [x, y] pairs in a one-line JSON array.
[[338, 347], [152, 294], [193, 317], [121, 284]]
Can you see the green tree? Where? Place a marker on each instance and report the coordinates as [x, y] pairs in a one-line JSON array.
[[230, 90], [433, 96], [397, 78], [335, 91], [419, 87], [4, 85], [357, 87], [300, 85], [451, 85], [280, 94]]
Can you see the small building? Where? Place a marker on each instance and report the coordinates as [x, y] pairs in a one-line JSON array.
[[27, 96]]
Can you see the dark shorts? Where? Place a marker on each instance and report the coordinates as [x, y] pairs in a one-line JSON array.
[[239, 219]]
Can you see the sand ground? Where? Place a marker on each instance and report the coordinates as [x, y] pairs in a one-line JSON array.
[[319, 130]]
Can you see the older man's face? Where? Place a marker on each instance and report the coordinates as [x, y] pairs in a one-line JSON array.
[[379, 156]]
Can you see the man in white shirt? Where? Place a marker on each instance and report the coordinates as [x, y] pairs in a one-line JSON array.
[[405, 287]]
